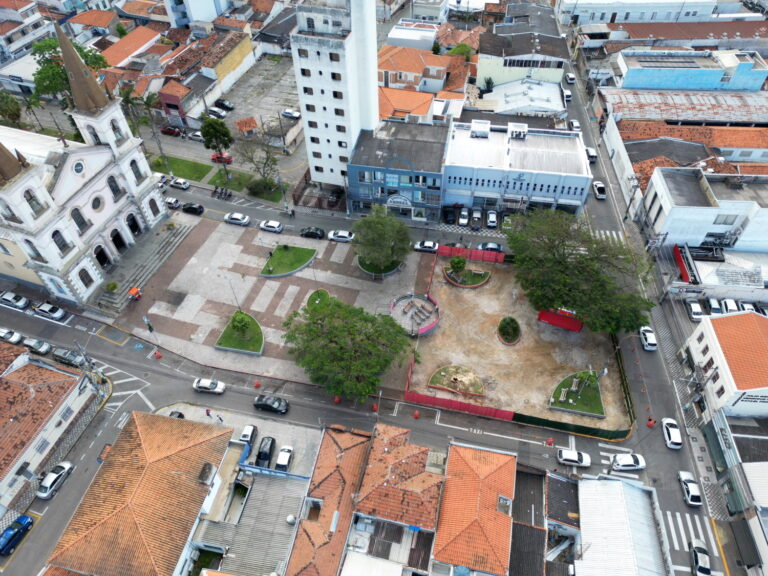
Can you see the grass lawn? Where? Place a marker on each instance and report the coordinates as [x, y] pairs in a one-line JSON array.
[[181, 168], [458, 379], [287, 259], [371, 269], [509, 330], [238, 181], [468, 277], [251, 339], [317, 299], [588, 401]]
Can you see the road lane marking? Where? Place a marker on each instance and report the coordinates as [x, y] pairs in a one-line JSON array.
[[131, 379], [672, 530], [682, 531], [690, 526], [614, 447], [715, 548]]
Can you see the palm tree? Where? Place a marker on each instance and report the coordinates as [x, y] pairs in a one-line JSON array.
[[130, 105]]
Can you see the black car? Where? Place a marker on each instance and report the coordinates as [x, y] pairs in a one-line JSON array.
[[193, 208], [68, 357], [312, 232], [271, 404], [449, 215], [264, 453], [224, 104]]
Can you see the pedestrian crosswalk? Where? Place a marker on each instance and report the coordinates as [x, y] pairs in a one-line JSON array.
[[681, 528], [124, 386], [611, 236], [606, 458]]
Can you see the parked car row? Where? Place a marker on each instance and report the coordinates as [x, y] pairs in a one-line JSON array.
[[471, 217], [266, 448], [44, 310], [714, 307], [35, 345]]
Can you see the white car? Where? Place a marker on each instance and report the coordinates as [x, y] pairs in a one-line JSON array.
[[14, 300], [196, 136], [210, 386], [53, 480], [570, 78], [291, 113], [284, 457], [491, 219], [648, 339], [623, 462], [700, 564], [50, 311], [575, 125], [10, 336], [673, 438], [599, 190], [464, 217], [237, 219], [341, 236], [695, 312], [37, 346], [574, 458], [690, 488], [271, 226], [426, 246], [172, 203], [180, 183]]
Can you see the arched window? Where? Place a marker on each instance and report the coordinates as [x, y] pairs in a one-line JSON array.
[[85, 277], [81, 223], [61, 242], [34, 253], [153, 207], [136, 172], [116, 131], [112, 183], [94, 137], [33, 202], [310, 23], [8, 213]]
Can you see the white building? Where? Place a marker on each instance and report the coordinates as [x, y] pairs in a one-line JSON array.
[[580, 12], [511, 167], [21, 25], [69, 210], [731, 375], [183, 12], [430, 10], [335, 62], [414, 34]]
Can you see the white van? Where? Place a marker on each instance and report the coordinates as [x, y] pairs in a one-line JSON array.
[[248, 435], [567, 95], [591, 154], [714, 307], [728, 306], [694, 310]]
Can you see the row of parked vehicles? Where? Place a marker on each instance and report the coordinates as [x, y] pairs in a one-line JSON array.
[[714, 307], [266, 448], [472, 217]]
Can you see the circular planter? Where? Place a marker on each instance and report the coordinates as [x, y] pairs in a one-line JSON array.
[[393, 268], [483, 282], [513, 336], [317, 298]]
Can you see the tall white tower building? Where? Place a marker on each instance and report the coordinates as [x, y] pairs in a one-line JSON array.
[[334, 58]]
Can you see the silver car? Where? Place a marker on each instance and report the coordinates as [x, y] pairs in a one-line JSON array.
[[690, 488], [210, 386], [14, 300], [37, 346], [574, 458], [53, 480]]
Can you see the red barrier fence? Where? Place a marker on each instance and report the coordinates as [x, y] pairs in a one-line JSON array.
[[471, 254], [448, 404], [561, 318]]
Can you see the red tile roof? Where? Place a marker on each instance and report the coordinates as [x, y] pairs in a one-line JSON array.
[[317, 551], [752, 168], [144, 8], [449, 36], [399, 103], [144, 501], [8, 26], [452, 68], [30, 395], [396, 485], [263, 6], [691, 30], [98, 18], [471, 531], [246, 125], [748, 364], [134, 41], [16, 4], [179, 35], [225, 22], [174, 88], [158, 26], [712, 136]]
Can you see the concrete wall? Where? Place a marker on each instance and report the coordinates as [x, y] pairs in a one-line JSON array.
[[232, 67], [493, 67]]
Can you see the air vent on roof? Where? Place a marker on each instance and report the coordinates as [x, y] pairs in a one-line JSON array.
[[480, 129], [207, 473]]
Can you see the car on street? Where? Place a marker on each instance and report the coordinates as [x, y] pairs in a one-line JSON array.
[[50, 311], [746, 306], [180, 183], [217, 113], [10, 336], [193, 208], [172, 203], [210, 386], [69, 357], [37, 346], [264, 453], [196, 136], [700, 564], [426, 246], [574, 125], [490, 246], [623, 462], [574, 458], [222, 158], [170, 131], [464, 217], [341, 236], [690, 488], [249, 434], [695, 312], [449, 215], [271, 226], [312, 232], [291, 113], [570, 78], [271, 404], [237, 219], [224, 104], [599, 189], [53, 480], [14, 534], [14, 300], [491, 219], [673, 438], [648, 339], [284, 458]]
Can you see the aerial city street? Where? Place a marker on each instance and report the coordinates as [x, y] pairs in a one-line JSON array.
[[383, 287]]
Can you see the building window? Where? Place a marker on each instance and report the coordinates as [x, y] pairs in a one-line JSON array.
[[316, 155], [312, 124], [4, 250], [42, 445], [306, 73], [81, 223], [34, 203], [334, 56], [705, 351], [34, 253], [342, 144], [343, 159], [720, 391], [117, 192], [336, 76], [310, 24], [136, 172], [308, 91], [92, 133], [119, 136], [303, 53], [8, 213], [708, 366], [61, 242], [314, 140], [340, 128], [343, 173], [67, 414], [310, 107], [85, 278], [715, 377], [338, 95], [319, 169], [700, 337], [338, 111], [726, 219]]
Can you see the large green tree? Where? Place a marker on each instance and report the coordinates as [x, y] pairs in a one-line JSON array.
[[10, 109], [381, 239], [343, 348], [561, 264], [216, 135], [50, 77]]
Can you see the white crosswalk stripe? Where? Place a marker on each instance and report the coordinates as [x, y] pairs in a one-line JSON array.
[[613, 236], [681, 528]]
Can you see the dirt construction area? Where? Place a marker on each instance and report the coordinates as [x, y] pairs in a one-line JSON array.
[[521, 377]]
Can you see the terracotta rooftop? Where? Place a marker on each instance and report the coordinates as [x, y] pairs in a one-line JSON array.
[[414, 61], [30, 394], [55, 571], [691, 30], [396, 485], [712, 136], [316, 550], [645, 168], [263, 6], [159, 48], [221, 46], [748, 364], [158, 26], [400, 103], [448, 36], [752, 168], [174, 88], [246, 124], [15, 4], [7, 26], [144, 501], [97, 18], [471, 531], [134, 41], [143, 8], [225, 22], [498, 8], [178, 35]]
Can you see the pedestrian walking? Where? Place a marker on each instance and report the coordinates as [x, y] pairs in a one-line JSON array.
[[293, 213], [208, 412], [221, 420], [270, 253]]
